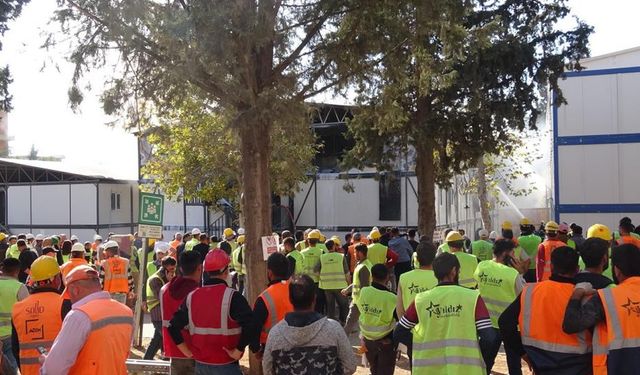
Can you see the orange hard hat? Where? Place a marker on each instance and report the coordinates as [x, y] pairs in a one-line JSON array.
[[216, 260]]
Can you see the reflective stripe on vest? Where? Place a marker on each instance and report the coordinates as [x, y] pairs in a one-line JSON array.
[[311, 257], [112, 328], [496, 283], [468, 264], [445, 338], [152, 299], [276, 300], [332, 276], [549, 246], [295, 254], [376, 312], [224, 329], [553, 295]]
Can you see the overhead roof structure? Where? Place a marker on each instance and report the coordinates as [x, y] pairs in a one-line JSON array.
[[19, 171]]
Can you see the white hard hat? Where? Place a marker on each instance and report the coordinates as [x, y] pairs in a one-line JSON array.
[[483, 233], [493, 235], [40, 237], [30, 236], [240, 231], [195, 231], [110, 244], [77, 247], [97, 237], [74, 238], [161, 247]]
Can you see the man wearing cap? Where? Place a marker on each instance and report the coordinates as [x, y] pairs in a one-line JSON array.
[[218, 338], [38, 318], [4, 246], [11, 291], [334, 277], [96, 334], [77, 259], [177, 240], [161, 249], [378, 253], [115, 273], [563, 235], [156, 281], [543, 258], [38, 243], [529, 242], [13, 251], [311, 259], [195, 232], [229, 236], [239, 264], [482, 248]]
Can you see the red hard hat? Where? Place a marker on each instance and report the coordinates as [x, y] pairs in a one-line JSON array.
[[215, 260]]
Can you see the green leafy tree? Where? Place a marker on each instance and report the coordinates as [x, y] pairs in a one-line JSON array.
[[456, 78], [253, 62], [9, 11]]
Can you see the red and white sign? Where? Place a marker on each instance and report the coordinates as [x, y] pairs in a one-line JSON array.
[[269, 246]]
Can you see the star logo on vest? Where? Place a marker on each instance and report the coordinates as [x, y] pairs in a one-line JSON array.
[[415, 289], [370, 309], [489, 280], [447, 311], [632, 307]]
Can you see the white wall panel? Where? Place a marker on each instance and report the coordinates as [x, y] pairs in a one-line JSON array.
[[195, 217], [83, 204], [50, 204], [18, 208], [629, 103]]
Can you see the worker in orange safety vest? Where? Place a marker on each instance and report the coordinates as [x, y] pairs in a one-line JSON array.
[[115, 274]]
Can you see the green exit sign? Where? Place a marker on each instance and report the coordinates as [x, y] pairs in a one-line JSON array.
[[151, 209]]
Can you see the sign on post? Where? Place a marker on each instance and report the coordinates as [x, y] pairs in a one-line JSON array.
[[150, 215], [269, 246]]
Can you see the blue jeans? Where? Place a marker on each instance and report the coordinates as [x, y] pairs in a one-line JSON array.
[[8, 354], [230, 369]]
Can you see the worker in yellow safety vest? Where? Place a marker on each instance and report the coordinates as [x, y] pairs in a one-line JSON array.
[[529, 242], [311, 259], [11, 291], [361, 279], [334, 277], [482, 248], [468, 262]]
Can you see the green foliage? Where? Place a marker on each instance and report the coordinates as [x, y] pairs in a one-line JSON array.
[[9, 10], [456, 77], [196, 154]]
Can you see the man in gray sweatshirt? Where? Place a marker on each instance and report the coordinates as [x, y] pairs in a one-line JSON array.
[[306, 342]]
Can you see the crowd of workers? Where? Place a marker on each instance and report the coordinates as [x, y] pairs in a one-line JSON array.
[[547, 295]]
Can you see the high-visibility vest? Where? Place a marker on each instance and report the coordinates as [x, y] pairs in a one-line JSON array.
[[529, 244], [444, 248], [212, 329], [301, 245], [355, 293], [13, 251], [70, 265], [629, 239], [542, 307], [445, 340], [116, 277], [468, 264], [295, 254], [332, 275], [414, 282], [8, 297], [168, 307], [311, 257], [38, 321], [482, 249], [189, 245], [496, 283], [377, 253], [617, 338], [549, 246], [276, 299], [107, 347], [239, 266], [152, 299], [233, 244], [151, 268], [376, 312]]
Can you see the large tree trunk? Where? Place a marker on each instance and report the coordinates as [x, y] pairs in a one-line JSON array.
[[485, 205], [425, 174], [255, 147]]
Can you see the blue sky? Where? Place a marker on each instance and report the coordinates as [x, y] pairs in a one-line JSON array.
[[42, 117]]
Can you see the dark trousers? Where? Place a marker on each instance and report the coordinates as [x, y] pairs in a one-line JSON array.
[[530, 276], [400, 269], [513, 359], [320, 300], [156, 341], [331, 298], [381, 355]]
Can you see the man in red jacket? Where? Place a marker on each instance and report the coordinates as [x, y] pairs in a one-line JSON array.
[[172, 295]]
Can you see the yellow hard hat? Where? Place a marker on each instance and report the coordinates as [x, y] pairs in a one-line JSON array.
[[2, 236], [551, 226], [336, 240], [454, 236], [44, 268], [314, 235], [152, 242], [375, 235], [599, 231], [524, 221], [228, 232], [507, 225], [323, 238], [240, 239]]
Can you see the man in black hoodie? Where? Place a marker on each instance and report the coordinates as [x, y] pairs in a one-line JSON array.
[[172, 295]]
